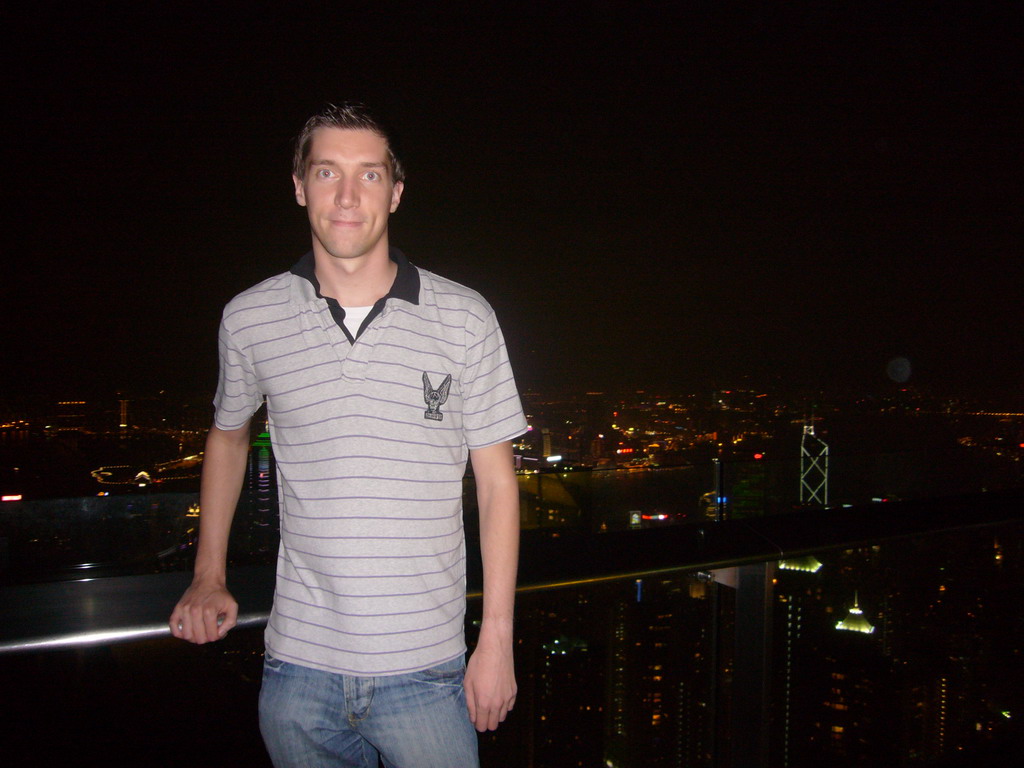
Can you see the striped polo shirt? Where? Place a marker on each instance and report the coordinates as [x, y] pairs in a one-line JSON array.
[[371, 438]]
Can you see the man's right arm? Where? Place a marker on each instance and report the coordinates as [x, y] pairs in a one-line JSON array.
[[207, 599]]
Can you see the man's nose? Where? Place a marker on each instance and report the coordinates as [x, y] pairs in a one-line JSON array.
[[347, 194]]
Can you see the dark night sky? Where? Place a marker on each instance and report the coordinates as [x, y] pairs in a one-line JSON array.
[[648, 198]]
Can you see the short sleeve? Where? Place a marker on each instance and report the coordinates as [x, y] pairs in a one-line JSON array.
[[492, 412], [238, 394]]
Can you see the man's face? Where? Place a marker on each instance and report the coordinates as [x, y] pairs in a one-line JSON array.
[[348, 193]]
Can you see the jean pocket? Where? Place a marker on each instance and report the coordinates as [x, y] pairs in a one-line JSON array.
[[273, 663], [448, 673]]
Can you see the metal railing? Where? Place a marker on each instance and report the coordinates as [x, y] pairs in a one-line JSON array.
[[92, 612]]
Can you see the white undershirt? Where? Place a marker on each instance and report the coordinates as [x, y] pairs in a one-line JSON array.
[[354, 317]]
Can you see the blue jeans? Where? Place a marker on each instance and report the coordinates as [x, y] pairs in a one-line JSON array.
[[314, 719]]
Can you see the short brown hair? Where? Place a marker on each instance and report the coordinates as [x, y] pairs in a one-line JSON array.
[[349, 116]]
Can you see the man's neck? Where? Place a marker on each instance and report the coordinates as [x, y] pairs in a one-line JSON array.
[[356, 282]]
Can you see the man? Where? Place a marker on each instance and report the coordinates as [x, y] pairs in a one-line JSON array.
[[380, 379]]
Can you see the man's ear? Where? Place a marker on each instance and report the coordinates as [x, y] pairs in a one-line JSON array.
[[300, 191], [396, 195]]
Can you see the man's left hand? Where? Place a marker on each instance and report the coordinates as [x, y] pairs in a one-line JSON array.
[[490, 686]]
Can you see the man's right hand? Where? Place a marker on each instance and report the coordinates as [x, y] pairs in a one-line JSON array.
[[206, 612]]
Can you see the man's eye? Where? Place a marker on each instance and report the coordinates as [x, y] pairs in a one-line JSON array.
[[371, 176], [323, 173]]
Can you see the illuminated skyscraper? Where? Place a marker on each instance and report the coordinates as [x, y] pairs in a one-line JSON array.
[[813, 468], [660, 677], [796, 593]]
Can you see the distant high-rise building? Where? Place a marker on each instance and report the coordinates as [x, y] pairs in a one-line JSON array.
[[796, 592], [659, 683], [833, 683], [70, 415], [256, 526], [813, 468]]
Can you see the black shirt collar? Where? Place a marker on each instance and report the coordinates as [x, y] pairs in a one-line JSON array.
[[406, 286]]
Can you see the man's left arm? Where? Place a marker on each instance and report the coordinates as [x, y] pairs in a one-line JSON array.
[[490, 674]]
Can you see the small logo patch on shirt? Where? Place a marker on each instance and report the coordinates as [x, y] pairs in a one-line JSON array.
[[435, 398]]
